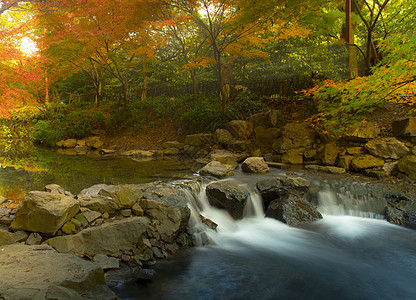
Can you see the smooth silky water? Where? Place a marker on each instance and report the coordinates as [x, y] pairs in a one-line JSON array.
[[352, 253]]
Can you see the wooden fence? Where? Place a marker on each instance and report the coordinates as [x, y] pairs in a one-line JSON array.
[[283, 87]]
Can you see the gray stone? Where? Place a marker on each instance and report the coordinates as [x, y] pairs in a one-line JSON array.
[[6, 238], [20, 236], [94, 142], [106, 262], [225, 157], [226, 195], [70, 143], [344, 161], [293, 211], [293, 156], [34, 239], [407, 165], [91, 215], [294, 136], [110, 238], [366, 161], [328, 154], [280, 188], [44, 212], [389, 148], [223, 137], [400, 208], [326, 169], [255, 165], [240, 129], [46, 274], [125, 212], [217, 169]]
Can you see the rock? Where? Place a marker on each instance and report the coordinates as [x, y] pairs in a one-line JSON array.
[[173, 144], [328, 154], [70, 143], [217, 169], [81, 219], [361, 132], [293, 211], [389, 148], [295, 136], [110, 238], [55, 189], [228, 196], [400, 208], [112, 198], [170, 214], [106, 262], [34, 239], [223, 137], [366, 161], [241, 130], [390, 168], [356, 150], [6, 238], [125, 212], [326, 169], [20, 236], [240, 146], [93, 190], [137, 210], [255, 165], [171, 151], [93, 142], [46, 274], [405, 127], [281, 187], [68, 227], [91, 216], [44, 212], [200, 139], [293, 156], [261, 119], [344, 161], [225, 157], [407, 165]]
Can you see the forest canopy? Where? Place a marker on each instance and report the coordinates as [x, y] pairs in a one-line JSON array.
[[126, 51]]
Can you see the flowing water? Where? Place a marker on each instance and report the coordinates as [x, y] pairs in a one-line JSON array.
[[352, 253]]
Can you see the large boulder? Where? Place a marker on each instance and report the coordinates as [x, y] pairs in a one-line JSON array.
[[407, 165], [400, 208], [110, 198], [390, 148], [240, 129], [170, 215], [362, 162], [293, 211], [39, 272], [44, 212], [217, 169], [255, 165], [405, 127], [109, 238], [295, 136], [280, 188], [293, 156], [328, 154], [223, 137], [361, 132], [229, 196]]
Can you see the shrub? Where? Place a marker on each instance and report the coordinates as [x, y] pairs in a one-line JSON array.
[[44, 134]]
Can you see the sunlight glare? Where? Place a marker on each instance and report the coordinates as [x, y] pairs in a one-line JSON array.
[[28, 46]]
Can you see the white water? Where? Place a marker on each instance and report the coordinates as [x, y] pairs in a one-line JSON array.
[[349, 254]]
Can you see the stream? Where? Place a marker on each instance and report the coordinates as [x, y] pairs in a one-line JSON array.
[[352, 253]]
